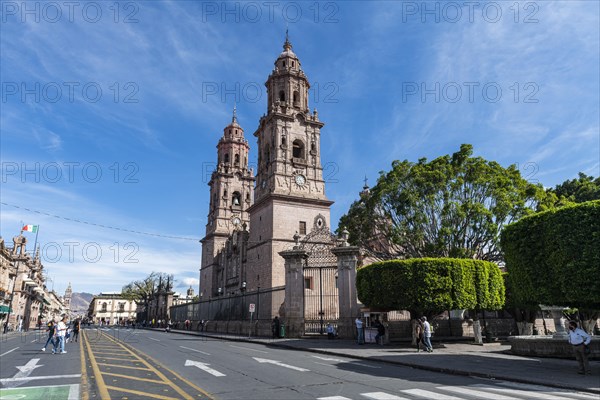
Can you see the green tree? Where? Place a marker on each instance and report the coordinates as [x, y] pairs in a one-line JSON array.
[[453, 206], [585, 188]]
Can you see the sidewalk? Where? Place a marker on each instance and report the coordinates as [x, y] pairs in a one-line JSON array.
[[489, 361]]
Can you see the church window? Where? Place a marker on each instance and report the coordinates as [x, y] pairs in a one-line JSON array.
[[236, 161], [226, 158], [298, 149], [225, 193], [236, 198], [296, 97], [281, 96], [283, 140], [293, 63], [283, 63], [247, 196], [302, 228]]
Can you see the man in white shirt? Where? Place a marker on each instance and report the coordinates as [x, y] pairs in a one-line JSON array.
[[61, 332], [579, 339], [427, 335], [360, 330]]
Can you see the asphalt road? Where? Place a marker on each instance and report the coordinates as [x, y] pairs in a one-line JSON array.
[[140, 364]]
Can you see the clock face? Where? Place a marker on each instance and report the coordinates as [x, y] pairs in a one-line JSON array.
[[236, 221], [300, 180]]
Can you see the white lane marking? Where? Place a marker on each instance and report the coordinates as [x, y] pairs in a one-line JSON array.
[[151, 338], [333, 398], [327, 365], [73, 392], [34, 378], [280, 364], [204, 367], [539, 388], [24, 372], [247, 348], [344, 361], [382, 396], [34, 340], [430, 395], [330, 359], [475, 393], [528, 394], [197, 351], [10, 351]]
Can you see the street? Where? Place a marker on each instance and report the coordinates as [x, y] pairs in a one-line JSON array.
[[138, 364]]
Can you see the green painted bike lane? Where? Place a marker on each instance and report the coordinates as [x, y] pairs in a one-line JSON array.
[[60, 392]]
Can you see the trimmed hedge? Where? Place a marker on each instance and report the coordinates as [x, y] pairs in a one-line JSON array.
[[553, 257], [431, 285]]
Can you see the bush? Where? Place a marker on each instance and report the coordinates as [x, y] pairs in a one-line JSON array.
[[431, 285], [553, 257]]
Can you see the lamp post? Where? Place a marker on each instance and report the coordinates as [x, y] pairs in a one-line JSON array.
[[12, 295]]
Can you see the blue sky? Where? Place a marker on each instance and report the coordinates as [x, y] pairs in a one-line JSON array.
[[111, 114]]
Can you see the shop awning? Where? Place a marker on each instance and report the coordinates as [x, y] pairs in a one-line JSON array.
[[5, 309]]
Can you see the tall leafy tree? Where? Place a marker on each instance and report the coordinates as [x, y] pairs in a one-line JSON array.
[[582, 189], [453, 206]]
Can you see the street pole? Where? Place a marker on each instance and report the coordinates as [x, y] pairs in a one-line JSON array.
[[12, 295]]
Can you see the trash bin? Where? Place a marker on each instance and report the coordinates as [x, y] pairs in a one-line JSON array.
[[282, 331]]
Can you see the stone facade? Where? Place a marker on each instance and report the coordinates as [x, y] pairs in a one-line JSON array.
[[23, 295], [250, 225]]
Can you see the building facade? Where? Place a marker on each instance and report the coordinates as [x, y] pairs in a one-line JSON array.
[[111, 308], [23, 294], [251, 220]]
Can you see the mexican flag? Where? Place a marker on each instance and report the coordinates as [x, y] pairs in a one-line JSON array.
[[30, 228]]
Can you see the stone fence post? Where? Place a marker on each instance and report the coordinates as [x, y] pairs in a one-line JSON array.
[[347, 257], [294, 291]]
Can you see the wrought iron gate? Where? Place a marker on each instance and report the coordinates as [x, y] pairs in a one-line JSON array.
[[321, 304]]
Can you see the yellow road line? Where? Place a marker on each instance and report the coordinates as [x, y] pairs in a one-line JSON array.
[[100, 357], [157, 372], [84, 382], [154, 396], [102, 353], [99, 380], [176, 375], [134, 378], [123, 366]]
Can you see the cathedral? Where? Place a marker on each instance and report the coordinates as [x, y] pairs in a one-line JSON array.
[[252, 218]]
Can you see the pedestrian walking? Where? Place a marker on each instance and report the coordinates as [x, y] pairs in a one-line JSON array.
[[330, 331], [427, 335], [60, 334], [275, 325], [580, 340], [379, 338], [360, 331], [419, 334], [76, 327], [50, 328]]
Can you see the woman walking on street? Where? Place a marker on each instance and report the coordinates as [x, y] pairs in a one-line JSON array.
[[50, 329], [76, 327]]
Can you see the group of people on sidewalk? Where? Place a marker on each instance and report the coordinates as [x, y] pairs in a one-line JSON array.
[[60, 333]]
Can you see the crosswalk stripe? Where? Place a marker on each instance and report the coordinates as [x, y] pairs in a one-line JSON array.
[[382, 396], [544, 389], [527, 394], [334, 398], [431, 395], [475, 393]]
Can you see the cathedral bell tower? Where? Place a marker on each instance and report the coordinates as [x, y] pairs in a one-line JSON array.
[[231, 193], [290, 193]]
